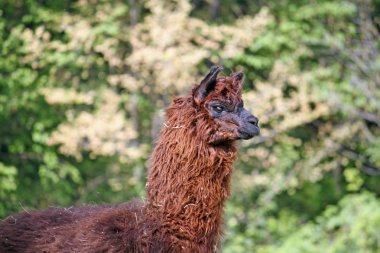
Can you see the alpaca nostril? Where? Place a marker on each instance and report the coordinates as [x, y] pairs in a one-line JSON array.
[[253, 120]]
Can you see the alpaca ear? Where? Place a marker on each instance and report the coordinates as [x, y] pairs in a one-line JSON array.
[[207, 84], [238, 78]]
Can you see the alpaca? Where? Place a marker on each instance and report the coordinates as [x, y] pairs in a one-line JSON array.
[[188, 183]]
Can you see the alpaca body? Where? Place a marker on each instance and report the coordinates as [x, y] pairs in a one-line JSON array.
[[188, 183]]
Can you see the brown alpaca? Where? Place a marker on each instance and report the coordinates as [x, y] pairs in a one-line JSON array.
[[188, 183]]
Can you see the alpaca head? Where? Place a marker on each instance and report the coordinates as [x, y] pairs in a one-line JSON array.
[[219, 101]]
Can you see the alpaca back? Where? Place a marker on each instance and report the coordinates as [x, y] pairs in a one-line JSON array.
[[82, 229]]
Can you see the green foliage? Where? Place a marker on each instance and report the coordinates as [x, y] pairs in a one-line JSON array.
[[7, 178], [350, 226]]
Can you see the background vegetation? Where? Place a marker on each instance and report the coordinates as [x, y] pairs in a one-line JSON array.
[[83, 84]]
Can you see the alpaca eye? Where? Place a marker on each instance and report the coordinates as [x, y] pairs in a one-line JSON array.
[[218, 108]]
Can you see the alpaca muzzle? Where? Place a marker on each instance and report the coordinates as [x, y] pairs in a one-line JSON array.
[[249, 126]]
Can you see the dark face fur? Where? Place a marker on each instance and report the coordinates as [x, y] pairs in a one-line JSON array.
[[221, 98]]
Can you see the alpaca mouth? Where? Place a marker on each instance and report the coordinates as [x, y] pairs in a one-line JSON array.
[[248, 134]]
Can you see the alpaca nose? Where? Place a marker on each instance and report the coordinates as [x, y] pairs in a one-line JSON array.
[[253, 120], [249, 127]]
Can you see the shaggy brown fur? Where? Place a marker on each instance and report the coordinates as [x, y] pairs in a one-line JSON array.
[[188, 183]]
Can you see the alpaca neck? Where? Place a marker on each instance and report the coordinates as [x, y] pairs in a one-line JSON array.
[[189, 180]]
